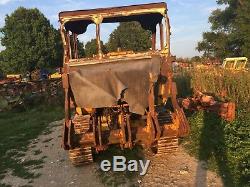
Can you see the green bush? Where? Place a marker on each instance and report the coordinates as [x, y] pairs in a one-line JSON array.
[[183, 83], [224, 84], [224, 146]]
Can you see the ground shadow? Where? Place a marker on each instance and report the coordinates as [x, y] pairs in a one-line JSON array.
[[212, 148]]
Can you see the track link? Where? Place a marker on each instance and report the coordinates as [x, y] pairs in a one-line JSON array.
[[81, 123], [164, 118], [80, 156], [167, 145]]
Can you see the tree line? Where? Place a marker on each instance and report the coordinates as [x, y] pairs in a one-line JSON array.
[[32, 42], [230, 31]]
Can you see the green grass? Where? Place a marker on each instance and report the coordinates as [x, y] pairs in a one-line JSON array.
[[224, 146], [17, 129], [224, 84]]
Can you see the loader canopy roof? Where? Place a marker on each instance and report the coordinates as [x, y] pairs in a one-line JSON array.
[[148, 15]]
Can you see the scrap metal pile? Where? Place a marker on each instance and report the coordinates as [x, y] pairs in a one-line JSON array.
[[200, 101], [16, 93]]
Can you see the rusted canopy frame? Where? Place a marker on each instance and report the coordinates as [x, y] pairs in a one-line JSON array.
[[154, 41], [114, 11], [168, 33], [75, 46], [161, 36], [97, 16], [161, 29]]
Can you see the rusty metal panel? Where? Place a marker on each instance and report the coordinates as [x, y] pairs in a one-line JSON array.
[[102, 85], [126, 10]]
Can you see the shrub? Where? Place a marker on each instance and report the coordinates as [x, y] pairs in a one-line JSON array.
[[225, 84], [225, 146]]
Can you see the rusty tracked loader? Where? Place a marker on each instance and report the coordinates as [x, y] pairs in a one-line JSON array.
[[124, 98]]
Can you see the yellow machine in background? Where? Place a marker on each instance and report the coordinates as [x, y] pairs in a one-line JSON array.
[[14, 76], [57, 74], [237, 63]]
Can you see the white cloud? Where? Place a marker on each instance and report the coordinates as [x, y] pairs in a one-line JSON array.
[[4, 2], [210, 9], [1, 47]]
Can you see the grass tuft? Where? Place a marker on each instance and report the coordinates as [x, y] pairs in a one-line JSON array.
[[17, 130]]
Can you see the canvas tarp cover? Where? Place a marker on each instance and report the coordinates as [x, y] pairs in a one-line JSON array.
[[101, 85]]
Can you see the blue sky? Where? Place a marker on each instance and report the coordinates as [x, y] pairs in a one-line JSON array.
[[189, 18]]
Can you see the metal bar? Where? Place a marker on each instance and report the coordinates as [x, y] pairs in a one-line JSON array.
[[129, 130], [161, 36], [65, 44], [99, 130], [154, 41], [69, 45], [122, 125], [152, 111], [183, 128], [98, 41], [67, 107], [94, 127], [75, 46], [167, 27]]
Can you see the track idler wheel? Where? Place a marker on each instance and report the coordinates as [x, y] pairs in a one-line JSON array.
[[80, 156], [167, 145]]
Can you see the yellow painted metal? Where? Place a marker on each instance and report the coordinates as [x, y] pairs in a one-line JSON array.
[[56, 75], [237, 63], [16, 76], [78, 110], [99, 17]]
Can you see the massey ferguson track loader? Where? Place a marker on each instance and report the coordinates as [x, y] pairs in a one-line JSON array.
[[124, 98]]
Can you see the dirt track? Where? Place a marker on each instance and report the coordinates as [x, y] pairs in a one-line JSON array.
[[178, 169]]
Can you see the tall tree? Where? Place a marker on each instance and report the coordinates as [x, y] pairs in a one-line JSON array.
[[81, 50], [230, 28], [243, 27], [129, 36], [91, 48], [1, 62], [31, 41]]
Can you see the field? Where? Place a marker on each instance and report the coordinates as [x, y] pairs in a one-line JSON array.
[[223, 145], [220, 146]]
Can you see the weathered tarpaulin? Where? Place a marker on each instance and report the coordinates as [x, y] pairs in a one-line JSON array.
[[101, 85]]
